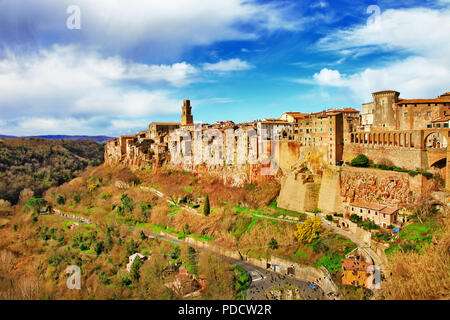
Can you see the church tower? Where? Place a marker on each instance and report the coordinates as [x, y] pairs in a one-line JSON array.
[[186, 117]]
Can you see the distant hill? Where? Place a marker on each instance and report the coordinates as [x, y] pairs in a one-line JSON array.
[[99, 139]]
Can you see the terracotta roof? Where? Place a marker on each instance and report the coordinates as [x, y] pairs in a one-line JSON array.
[[350, 110], [275, 121], [389, 210], [349, 264], [442, 119], [367, 205], [165, 123], [421, 101], [294, 113]]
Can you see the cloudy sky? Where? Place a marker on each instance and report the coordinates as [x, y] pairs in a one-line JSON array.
[[133, 62]]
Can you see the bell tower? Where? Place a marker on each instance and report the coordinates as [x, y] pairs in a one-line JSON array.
[[186, 116]]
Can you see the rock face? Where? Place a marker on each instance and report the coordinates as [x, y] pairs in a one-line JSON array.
[[389, 187], [231, 175], [333, 188]]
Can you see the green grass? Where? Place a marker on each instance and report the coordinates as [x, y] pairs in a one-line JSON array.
[[241, 282], [202, 238], [254, 221], [300, 254], [188, 189], [332, 262]]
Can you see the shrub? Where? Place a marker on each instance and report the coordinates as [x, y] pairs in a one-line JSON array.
[[360, 161], [273, 244], [318, 246], [329, 217], [77, 198], [60, 200], [355, 218]]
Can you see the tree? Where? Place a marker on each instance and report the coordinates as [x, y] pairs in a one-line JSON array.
[[193, 260], [186, 230], [35, 204], [175, 253], [309, 230], [143, 236], [77, 198], [99, 247], [273, 244], [360, 161], [134, 271], [206, 208], [60, 200]]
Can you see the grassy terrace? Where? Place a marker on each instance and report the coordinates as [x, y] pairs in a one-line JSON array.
[[415, 236]]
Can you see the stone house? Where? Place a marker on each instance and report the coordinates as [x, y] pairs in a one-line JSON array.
[[185, 283], [357, 273], [379, 214]]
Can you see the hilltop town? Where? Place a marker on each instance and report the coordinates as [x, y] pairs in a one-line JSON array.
[[362, 172], [337, 204], [405, 137]]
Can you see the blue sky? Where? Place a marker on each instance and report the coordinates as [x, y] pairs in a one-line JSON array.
[[134, 62]]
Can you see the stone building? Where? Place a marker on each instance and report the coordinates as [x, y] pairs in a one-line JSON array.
[[379, 214], [389, 112], [357, 273], [407, 133]]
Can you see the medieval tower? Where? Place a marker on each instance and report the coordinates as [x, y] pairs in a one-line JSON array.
[[186, 117]]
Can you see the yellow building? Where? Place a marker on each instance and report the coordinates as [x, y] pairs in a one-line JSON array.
[[357, 273]]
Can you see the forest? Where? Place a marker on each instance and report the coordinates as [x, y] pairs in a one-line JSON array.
[[37, 164]]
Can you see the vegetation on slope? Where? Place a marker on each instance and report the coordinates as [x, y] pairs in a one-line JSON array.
[[38, 164], [419, 265]]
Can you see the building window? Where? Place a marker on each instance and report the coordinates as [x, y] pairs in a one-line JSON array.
[[418, 114], [406, 114]]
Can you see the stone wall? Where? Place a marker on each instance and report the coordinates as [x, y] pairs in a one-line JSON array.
[[330, 192], [299, 192], [391, 155]]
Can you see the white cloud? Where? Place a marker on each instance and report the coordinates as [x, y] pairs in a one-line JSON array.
[[40, 90], [320, 4], [328, 77], [420, 33], [227, 65], [416, 30], [152, 24]]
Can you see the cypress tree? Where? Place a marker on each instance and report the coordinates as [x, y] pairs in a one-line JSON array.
[[206, 208]]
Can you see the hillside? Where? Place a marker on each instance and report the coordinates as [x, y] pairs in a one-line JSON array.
[[38, 164], [99, 139]]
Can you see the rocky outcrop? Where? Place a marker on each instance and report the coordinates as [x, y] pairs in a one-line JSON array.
[[389, 187]]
